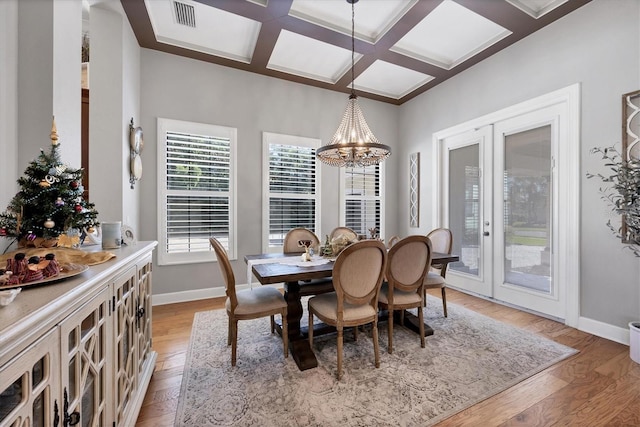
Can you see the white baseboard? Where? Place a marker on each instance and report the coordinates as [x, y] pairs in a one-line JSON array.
[[197, 294], [604, 330]]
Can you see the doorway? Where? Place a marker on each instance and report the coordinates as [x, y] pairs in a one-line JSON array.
[[507, 187]]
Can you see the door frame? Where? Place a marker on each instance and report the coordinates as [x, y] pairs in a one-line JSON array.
[[568, 162]]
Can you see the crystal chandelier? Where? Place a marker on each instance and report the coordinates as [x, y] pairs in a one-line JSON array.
[[353, 144]]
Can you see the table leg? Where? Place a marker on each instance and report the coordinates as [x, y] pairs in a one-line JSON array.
[[299, 346], [410, 321]]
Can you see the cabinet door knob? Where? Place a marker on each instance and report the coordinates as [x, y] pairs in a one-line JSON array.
[[73, 418]]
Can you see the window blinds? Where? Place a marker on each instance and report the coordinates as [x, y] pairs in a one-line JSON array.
[[362, 198], [198, 191], [292, 190]]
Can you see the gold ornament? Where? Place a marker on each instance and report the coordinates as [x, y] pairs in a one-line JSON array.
[[66, 241], [45, 184], [49, 223], [91, 230], [54, 132]]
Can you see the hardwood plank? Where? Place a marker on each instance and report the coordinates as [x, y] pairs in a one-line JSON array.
[[606, 405], [598, 386], [563, 401], [509, 403]]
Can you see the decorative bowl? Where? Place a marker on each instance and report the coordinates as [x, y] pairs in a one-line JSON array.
[[6, 297]]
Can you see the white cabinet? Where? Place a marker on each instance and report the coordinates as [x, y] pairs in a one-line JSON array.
[[84, 362], [29, 385], [81, 352]]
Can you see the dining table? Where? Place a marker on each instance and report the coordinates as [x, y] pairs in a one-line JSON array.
[[300, 278]]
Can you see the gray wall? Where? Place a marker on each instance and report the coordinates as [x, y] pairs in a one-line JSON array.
[[597, 46], [184, 89]]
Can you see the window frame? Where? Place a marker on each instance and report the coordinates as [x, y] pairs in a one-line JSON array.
[[380, 197], [296, 141], [165, 125]]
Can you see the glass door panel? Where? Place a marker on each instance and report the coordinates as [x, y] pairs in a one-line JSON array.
[[467, 210], [464, 208], [527, 209]]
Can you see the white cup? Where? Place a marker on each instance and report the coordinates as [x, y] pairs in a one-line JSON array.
[[111, 234]]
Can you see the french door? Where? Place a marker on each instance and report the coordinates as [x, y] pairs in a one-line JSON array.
[[500, 198], [466, 201]]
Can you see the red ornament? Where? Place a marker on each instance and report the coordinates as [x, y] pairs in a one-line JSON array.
[[78, 208], [3, 231], [74, 184]]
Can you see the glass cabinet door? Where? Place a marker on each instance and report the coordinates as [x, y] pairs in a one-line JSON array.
[[126, 342], [29, 385], [144, 313], [84, 360]]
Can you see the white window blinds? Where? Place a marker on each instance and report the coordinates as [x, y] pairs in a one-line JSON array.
[[291, 186], [362, 201], [197, 190]]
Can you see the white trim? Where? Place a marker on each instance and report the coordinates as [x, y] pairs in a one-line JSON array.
[[197, 294], [569, 227], [604, 330]]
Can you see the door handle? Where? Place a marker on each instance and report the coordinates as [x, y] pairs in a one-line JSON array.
[[486, 233]]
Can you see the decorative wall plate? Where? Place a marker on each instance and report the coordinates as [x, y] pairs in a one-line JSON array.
[[136, 167], [135, 140]]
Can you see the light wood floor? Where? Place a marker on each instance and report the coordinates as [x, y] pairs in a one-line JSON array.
[[600, 386]]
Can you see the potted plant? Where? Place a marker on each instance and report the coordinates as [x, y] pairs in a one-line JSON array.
[[621, 190]]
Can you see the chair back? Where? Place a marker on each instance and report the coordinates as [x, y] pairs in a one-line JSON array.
[[392, 241], [227, 271], [441, 241], [294, 235], [408, 263], [358, 273], [345, 231]]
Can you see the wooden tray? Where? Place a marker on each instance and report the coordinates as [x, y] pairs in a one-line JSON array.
[[66, 271]]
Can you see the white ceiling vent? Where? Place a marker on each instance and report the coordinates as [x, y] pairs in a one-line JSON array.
[[185, 14]]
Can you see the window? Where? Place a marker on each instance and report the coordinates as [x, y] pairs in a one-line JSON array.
[[362, 199], [196, 180], [291, 187]]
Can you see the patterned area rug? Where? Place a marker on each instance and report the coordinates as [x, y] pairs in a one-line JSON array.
[[469, 358]]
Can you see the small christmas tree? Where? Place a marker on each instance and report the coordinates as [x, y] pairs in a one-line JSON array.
[[50, 201]]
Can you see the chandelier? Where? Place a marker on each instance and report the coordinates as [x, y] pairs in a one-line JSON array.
[[353, 144]]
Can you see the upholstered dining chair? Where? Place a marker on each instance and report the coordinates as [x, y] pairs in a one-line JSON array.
[[290, 246], [248, 304], [357, 277], [344, 231], [392, 241], [408, 263], [441, 241], [294, 235]]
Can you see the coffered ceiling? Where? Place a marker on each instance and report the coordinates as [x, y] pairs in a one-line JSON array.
[[402, 47]]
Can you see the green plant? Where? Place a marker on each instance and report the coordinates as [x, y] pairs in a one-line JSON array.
[[85, 47], [621, 191], [50, 201]]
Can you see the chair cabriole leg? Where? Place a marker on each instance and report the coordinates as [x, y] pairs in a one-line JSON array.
[[340, 338], [376, 346], [234, 340], [444, 301], [285, 333], [421, 322], [390, 331]]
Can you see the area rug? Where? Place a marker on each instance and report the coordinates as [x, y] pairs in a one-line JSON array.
[[469, 358]]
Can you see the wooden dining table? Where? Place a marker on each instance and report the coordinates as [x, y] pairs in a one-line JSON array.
[[268, 269]]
